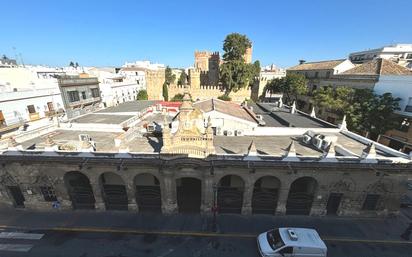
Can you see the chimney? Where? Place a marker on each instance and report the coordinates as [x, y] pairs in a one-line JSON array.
[[302, 61]]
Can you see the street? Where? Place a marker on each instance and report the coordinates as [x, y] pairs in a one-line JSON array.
[[110, 234]]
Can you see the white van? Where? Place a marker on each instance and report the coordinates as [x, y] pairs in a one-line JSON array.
[[288, 242]]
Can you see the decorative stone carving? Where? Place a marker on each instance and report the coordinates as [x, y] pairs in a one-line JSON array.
[[189, 137], [343, 185], [380, 187]]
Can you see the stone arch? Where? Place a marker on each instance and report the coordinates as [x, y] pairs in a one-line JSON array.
[[230, 190], [189, 194], [265, 195], [80, 190], [301, 195], [113, 191], [148, 192]]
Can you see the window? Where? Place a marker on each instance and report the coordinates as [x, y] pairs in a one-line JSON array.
[[48, 193], [95, 92], [73, 96], [50, 106], [286, 250], [274, 239], [31, 109], [84, 95], [409, 56], [408, 107], [371, 202], [316, 74], [328, 74]]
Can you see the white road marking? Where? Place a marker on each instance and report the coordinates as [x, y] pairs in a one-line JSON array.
[[15, 247], [19, 235]]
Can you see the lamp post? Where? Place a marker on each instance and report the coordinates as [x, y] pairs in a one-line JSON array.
[[214, 207]]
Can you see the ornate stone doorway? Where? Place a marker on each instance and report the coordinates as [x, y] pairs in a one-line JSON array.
[[80, 190], [333, 204], [17, 196], [301, 194], [113, 191], [189, 195], [265, 195], [230, 194], [148, 195]]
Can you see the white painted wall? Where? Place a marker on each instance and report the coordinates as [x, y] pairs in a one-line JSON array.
[[399, 86], [14, 104]]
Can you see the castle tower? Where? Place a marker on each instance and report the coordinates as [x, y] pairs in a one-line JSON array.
[[154, 84], [194, 78], [202, 60], [213, 74]]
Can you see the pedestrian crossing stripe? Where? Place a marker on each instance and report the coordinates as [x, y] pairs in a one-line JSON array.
[[20, 235], [16, 247]]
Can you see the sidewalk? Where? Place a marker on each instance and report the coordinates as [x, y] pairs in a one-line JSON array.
[[331, 227]]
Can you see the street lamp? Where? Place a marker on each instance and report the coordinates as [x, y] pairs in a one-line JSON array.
[[214, 207]]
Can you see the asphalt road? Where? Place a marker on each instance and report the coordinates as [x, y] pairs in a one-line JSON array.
[[123, 244]]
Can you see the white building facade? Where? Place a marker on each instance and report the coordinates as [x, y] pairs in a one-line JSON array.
[[399, 53]]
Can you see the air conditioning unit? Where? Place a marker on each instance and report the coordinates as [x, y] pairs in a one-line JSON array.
[[229, 133], [292, 235], [219, 131], [307, 137], [84, 137], [239, 132]]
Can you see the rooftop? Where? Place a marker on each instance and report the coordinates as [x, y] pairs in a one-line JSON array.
[[228, 108], [379, 66], [321, 65]]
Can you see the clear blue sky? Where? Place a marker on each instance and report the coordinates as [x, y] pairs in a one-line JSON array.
[[108, 33]]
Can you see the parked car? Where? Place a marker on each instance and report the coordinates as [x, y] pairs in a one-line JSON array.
[[288, 242]]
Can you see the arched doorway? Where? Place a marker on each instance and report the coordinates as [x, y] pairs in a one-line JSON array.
[[113, 191], [301, 194], [265, 195], [80, 190], [189, 194], [148, 195], [230, 194]]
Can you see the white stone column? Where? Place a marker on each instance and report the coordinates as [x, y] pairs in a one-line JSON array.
[[247, 197], [97, 192], [168, 190], [131, 196], [207, 194], [283, 198]]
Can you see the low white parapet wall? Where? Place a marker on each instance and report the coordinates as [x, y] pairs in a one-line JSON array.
[[286, 131]]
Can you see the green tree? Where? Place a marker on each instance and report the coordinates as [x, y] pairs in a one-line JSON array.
[[169, 76], [291, 86], [165, 92], [224, 98], [177, 98], [234, 73], [182, 79], [71, 64], [235, 46], [169, 79], [338, 100], [366, 112], [142, 95]]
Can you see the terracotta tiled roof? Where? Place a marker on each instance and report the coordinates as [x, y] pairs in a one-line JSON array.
[[228, 108], [379, 67], [322, 65]]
